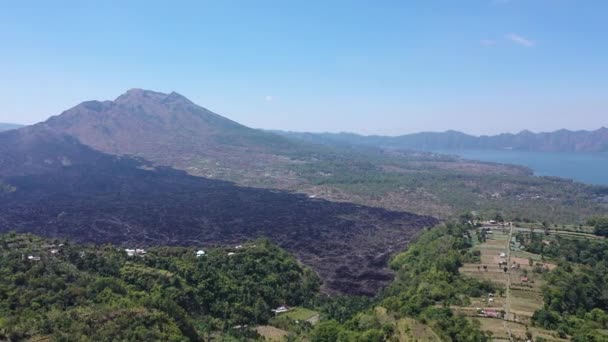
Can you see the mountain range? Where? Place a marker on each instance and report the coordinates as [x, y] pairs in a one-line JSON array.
[[151, 168], [8, 126], [557, 141]]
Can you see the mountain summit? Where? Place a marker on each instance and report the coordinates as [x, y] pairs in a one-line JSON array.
[[167, 129]]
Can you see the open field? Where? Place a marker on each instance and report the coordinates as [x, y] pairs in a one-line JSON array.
[[522, 295], [301, 314], [518, 330], [408, 329], [586, 233], [488, 268], [562, 227], [411, 330], [271, 333]]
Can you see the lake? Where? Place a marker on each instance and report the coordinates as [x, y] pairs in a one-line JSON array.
[[589, 168]]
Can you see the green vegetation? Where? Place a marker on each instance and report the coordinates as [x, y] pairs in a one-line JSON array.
[[575, 302], [427, 274], [300, 314], [560, 248], [427, 281], [575, 299], [600, 225], [83, 293], [443, 186], [343, 308], [74, 292]]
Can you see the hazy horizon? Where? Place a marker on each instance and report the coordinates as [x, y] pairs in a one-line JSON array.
[[483, 68]]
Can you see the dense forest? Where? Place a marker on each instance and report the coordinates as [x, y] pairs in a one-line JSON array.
[[576, 302], [600, 224], [82, 293], [559, 248], [575, 294]]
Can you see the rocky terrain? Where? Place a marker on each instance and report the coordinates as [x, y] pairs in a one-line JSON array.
[[54, 186], [170, 130]]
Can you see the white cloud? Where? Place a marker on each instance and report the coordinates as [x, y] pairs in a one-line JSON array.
[[487, 42], [517, 39], [268, 98]]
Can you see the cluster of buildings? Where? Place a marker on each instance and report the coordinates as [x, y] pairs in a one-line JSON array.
[[281, 309], [52, 249], [135, 252]]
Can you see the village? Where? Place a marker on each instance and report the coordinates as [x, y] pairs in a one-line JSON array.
[[507, 314]]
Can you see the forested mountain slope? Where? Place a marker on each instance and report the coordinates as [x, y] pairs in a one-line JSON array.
[[56, 290]]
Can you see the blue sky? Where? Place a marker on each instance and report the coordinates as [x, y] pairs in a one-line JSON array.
[[373, 67]]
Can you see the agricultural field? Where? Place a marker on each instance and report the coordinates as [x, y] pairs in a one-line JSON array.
[[270, 333], [407, 329], [502, 260], [411, 330], [302, 314]]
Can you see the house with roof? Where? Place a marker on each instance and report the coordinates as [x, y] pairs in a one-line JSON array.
[[280, 309], [135, 252], [491, 313]]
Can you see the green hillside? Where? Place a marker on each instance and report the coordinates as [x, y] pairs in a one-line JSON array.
[[64, 292]]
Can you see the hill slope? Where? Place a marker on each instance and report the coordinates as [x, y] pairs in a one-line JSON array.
[[69, 292], [52, 185], [167, 129]]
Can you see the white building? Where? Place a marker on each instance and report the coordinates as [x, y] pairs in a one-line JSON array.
[[280, 309], [200, 253], [134, 252]]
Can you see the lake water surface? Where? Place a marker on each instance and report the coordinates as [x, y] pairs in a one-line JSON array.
[[589, 168]]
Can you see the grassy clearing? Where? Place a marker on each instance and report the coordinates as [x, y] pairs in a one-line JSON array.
[[300, 314], [271, 333], [407, 329], [488, 268], [410, 330], [524, 303], [558, 228], [495, 327]]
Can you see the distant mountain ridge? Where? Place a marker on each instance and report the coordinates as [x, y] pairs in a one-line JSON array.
[[558, 141], [8, 126]]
